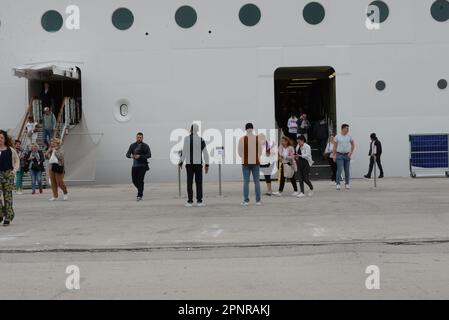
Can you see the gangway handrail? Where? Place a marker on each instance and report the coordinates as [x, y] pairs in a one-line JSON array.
[[59, 120], [22, 127]]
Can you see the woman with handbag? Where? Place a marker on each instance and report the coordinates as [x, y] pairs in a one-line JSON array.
[[287, 166], [267, 163], [56, 170], [35, 163], [9, 165]]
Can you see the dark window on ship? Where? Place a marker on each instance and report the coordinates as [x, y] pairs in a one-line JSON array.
[[381, 85], [250, 15], [314, 13], [440, 10], [442, 84], [122, 19], [186, 17], [52, 21]]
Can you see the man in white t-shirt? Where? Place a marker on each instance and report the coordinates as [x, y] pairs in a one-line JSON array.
[[343, 149], [292, 125]]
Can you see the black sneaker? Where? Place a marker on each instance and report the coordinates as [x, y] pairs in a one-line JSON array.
[[6, 223], [367, 176], [381, 176]]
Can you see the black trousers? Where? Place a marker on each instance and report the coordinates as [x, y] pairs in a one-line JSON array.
[[304, 175], [282, 182], [195, 171], [138, 176], [371, 165], [333, 166]]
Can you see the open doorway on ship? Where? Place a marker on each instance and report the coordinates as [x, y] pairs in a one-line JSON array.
[[308, 92]]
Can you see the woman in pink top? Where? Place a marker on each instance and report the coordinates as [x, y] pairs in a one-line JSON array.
[[286, 158]]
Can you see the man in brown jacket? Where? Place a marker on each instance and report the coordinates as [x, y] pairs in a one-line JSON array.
[[250, 150]]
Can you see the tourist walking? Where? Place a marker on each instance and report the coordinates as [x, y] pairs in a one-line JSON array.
[[56, 170], [35, 165], [193, 152], [140, 152], [9, 165], [19, 174], [287, 166], [250, 150], [343, 149], [305, 162], [375, 152]]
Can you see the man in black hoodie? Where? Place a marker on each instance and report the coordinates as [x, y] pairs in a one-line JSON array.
[[375, 152], [140, 153]]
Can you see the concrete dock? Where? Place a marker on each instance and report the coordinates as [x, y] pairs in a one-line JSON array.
[[289, 248]]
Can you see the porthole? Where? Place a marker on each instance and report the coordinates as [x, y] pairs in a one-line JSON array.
[[384, 11], [122, 110], [186, 17], [250, 15], [52, 21], [440, 10], [314, 13], [442, 84], [122, 19], [381, 85]]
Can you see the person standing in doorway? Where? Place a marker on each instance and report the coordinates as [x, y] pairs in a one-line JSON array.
[[303, 126], [140, 152], [292, 125], [250, 150], [329, 154], [56, 171], [375, 152], [305, 162], [19, 174], [193, 151], [344, 147], [287, 166], [321, 134], [35, 164], [45, 96], [49, 124], [9, 165]]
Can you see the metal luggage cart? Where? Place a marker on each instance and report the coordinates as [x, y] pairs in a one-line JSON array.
[[429, 155]]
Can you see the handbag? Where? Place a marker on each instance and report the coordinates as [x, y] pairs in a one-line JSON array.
[[289, 172]]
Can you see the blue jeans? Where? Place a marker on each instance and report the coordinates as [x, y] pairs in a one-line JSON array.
[[47, 135], [343, 162], [36, 179], [247, 170]]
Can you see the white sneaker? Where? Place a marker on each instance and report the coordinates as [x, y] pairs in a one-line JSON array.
[[347, 187], [66, 197], [277, 194], [310, 194], [332, 183], [295, 194], [188, 205], [201, 204], [301, 195], [52, 199], [338, 187], [258, 203], [245, 204]]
